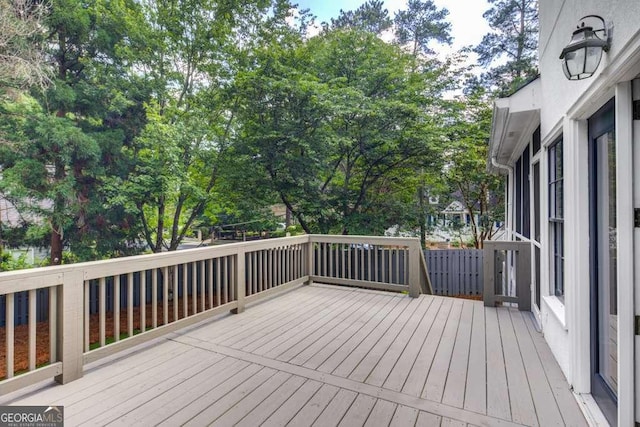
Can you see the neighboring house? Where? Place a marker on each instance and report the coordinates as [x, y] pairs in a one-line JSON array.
[[571, 149], [456, 212], [11, 217]]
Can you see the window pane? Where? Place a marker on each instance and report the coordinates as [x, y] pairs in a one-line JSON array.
[[559, 213], [559, 161], [556, 212], [552, 200]]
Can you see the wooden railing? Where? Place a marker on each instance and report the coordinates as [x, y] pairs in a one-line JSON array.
[[507, 273], [99, 308]]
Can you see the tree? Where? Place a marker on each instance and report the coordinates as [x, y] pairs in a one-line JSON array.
[[468, 180], [512, 43], [197, 49], [335, 126], [67, 143], [22, 62], [421, 23], [371, 16]]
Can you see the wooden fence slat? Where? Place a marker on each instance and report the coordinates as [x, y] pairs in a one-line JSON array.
[[455, 271]]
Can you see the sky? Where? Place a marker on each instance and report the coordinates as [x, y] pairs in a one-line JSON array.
[[467, 24]]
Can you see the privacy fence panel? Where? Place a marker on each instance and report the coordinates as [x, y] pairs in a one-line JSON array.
[[455, 271]]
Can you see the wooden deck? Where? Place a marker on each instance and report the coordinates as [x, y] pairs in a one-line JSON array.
[[323, 355]]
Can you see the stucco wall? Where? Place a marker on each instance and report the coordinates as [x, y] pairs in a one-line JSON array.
[[558, 19], [556, 336]]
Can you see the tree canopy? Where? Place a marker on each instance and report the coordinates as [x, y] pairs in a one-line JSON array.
[[159, 117], [510, 49]]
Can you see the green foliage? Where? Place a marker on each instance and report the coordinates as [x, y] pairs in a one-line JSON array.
[[480, 192], [371, 16], [513, 43], [9, 263], [167, 116], [421, 23], [333, 125], [22, 63]]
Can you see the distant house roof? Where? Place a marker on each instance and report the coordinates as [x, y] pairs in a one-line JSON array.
[[455, 207]]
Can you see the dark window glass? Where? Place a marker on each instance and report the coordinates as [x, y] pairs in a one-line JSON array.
[[518, 184], [526, 195], [536, 141], [556, 216]]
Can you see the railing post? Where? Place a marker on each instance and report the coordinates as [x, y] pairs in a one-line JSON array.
[[523, 276], [240, 282], [70, 325], [310, 261], [414, 270], [488, 270]]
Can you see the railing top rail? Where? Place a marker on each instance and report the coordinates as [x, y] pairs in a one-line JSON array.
[[371, 240], [20, 280], [505, 244], [51, 276]]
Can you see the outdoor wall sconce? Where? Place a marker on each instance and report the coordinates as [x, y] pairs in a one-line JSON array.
[[581, 57]]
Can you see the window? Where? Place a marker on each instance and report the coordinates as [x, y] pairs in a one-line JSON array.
[[536, 141], [522, 199], [556, 217]]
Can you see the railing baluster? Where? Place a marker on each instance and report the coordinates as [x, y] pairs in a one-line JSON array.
[[102, 290], [143, 301], [253, 278], [324, 259], [175, 293], [210, 281], [386, 259], [370, 264], [406, 267], [130, 304], [263, 270], [269, 271], [217, 282], [349, 269], [255, 268], [87, 315], [116, 307], [165, 295], [32, 329], [399, 253], [53, 324], [202, 296], [291, 264], [194, 288], [185, 291], [233, 280], [154, 298], [277, 268], [225, 289], [9, 332], [376, 262]]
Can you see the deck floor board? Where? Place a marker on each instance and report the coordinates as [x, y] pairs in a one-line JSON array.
[[327, 356]]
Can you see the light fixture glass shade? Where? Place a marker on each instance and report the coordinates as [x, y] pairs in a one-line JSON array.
[[581, 57]]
